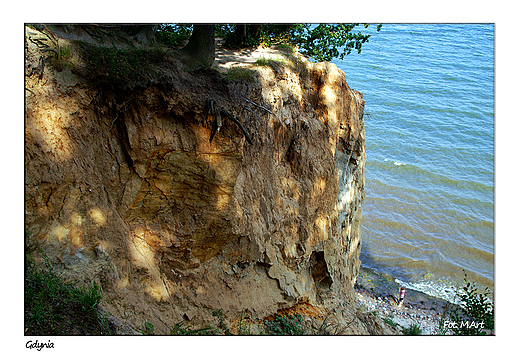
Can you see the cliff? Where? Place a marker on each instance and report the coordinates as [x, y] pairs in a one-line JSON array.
[[128, 184]]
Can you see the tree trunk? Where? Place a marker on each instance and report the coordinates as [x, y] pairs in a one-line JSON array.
[[240, 34], [254, 30], [199, 52]]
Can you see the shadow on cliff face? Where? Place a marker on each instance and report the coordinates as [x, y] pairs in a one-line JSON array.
[[157, 197], [320, 272], [112, 169]]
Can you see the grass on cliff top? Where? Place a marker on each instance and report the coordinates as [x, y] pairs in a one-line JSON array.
[[240, 74], [55, 307], [116, 67], [272, 63]]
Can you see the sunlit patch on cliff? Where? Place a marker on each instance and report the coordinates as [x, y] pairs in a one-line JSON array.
[[322, 224], [143, 256], [76, 219], [141, 253], [319, 187], [48, 130], [345, 197], [58, 231], [97, 216]]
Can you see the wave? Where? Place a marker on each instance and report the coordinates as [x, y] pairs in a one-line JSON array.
[[441, 289], [421, 178], [394, 162]]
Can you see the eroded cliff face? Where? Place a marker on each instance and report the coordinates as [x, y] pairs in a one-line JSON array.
[[125, 188]]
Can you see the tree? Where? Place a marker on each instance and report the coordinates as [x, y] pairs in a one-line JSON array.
[[199, 52], [321, 42], [325, 42]]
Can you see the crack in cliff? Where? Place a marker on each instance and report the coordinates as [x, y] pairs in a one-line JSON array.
[[125, 144]]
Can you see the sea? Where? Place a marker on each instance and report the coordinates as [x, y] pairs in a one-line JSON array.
[[428, 216]]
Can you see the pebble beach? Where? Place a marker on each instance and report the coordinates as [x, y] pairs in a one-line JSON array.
[[379, 293]]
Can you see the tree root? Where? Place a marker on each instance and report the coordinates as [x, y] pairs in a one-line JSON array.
[[248, 138], [217, 125]]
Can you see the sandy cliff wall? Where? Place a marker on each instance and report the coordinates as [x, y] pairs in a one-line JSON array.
[[124, 187]]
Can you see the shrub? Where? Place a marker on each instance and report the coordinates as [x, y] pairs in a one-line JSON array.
[[390, 321], [222, 325], [148, 329], [288, 48], [179, 329], [413, 329], [285, 325], [174, 34], [475, 313]]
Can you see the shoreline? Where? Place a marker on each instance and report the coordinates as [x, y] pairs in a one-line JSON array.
[[376, 292]]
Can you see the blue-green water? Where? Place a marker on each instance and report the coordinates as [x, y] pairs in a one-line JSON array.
[[429, 208]]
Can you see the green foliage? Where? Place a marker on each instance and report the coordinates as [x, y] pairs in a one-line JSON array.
[[243, 328], [54, 307], [240, 74], [179, 329], [390, 321], [89, 298], [272, 63], [115, 66], [475, 313], [328, 41], [60, 58], [229, 33], [413, 329], [56, 54], [287, 48], [268, 35], [222, 325], [321, 42], [174, 34], [285, 325], [148, 329]]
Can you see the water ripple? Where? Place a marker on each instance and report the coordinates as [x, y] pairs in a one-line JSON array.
[[430, 150]]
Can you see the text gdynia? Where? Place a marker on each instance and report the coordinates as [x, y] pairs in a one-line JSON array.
[[38, 346]]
